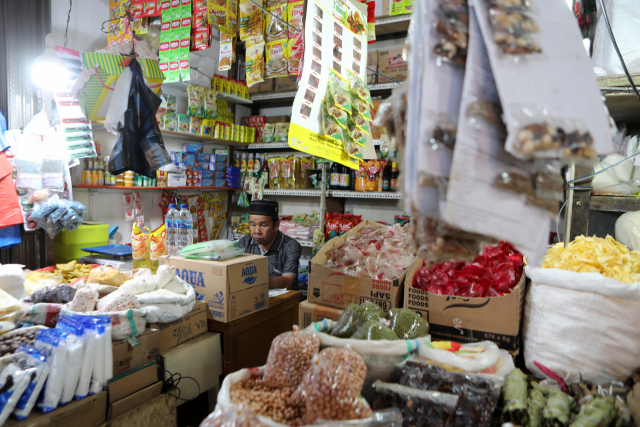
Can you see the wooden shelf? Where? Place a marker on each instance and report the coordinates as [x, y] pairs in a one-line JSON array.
[[393, 24], [119, 187], [614, 203]]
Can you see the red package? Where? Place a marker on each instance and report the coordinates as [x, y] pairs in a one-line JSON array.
[[200, 39], [495, 272], [332, 226], [344, 225], [151, 8], [199, 19]]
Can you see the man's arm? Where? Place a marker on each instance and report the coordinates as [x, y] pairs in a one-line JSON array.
[[284, 281]]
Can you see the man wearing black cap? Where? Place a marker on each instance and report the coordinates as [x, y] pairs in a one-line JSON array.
[[267, 240]]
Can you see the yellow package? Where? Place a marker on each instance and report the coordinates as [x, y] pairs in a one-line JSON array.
[[295, 12], [157, 247], [277, 23], [139, 247], [226, 54], [276, 65], [106, 275], [255, 64], [274, 173], [217, 11], [251, 20], [39, 279], [287, 181]]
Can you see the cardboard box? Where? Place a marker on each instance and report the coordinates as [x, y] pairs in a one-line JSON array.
[[130, 382], [278, 119], [461, 319], [264, 87], [310, 313], [153, 341], [376, 131], [372, 63], [392, 65], [134, 400], [328, 287], [88, 412], [232, 288], [285, 84], [176, 180]]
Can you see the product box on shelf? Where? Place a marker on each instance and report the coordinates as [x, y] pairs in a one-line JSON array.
[[278, 119], [176, 179], [310, 313], [232, 288], [265, 87], [392, 64], [157, 338], [329, 287], [285, 84], [465, 319], [372, 64]]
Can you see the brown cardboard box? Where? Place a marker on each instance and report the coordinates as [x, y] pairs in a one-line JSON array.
[[232, 288], [264, 87], [461, 319], [375, 130], [132, 401], [327, 287], [278, 119], [130, 382], [392, 65], [153, 340], [285, 84], [372, 62], [310, 313], [88, 412], [386, 7]]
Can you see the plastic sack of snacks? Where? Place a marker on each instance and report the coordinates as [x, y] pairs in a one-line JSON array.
[[478, 394], [373, 330], [118, 301], [406, 324], [480, 357], [168, 304], [106, 275], [354, 317], [430, 408], [290, 357]]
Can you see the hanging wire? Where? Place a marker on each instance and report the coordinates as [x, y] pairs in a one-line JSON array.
[[605, 169], [277, 17], [615, 45], [174, 380], [66, 31], [382, 75]]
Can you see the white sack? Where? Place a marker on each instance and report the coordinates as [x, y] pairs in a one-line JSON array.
[[624, 17], [12, 280], [581, 324], [628, 230], [162, 306]]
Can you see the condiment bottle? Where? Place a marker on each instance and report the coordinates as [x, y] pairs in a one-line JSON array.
[[100, 177], [394, 176], [380, 169], [386, 177], [94, 177]]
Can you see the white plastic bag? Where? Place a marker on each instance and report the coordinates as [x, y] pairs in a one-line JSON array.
[[162, 307], [29, 357], [12, 280], [14, 380], [89, 344], [75, 330], [624, 17], [486, 362], [98, 376], [53, 343], [581, 325], [119, 102], [628, 230]]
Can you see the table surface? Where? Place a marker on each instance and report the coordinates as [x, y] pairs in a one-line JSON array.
[[246, 341]]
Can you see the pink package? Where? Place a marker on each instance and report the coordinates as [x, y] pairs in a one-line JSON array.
[[118, 301], [84, 300]]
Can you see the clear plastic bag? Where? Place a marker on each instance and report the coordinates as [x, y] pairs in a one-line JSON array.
[[53, 342], [289, 358], [406, 324], [29, 168], [418, 407], [231, 416], [29, 357], [373, 330], [354, 317], [14, 380]]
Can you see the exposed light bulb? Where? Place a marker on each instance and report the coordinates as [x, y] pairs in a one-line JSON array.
[[48, 70]]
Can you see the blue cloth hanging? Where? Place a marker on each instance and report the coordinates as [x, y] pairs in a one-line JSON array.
[[10, 236], [3, 127]]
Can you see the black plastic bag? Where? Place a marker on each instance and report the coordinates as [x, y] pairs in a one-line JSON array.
[[139, 147]]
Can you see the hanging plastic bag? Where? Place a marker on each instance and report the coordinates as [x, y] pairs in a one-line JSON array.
[[119, 101], [140, 147]]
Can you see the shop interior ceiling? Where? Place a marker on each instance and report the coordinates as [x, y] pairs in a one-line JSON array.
[[23, 26]]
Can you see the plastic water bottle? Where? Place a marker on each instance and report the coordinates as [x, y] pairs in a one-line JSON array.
[[171, 221], [186, 227]]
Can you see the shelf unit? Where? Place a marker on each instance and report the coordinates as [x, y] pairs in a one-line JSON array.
[[392, 24], [122, 188], [232, 99], [290, 95], [281, 145], [334, 193]]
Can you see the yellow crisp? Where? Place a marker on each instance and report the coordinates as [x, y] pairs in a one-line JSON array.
[[596, 255]]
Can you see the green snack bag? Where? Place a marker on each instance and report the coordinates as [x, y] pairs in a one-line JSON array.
[[330, 126], [339, 90], [359, 88], [373, 330], [406, 324], [362, 108], [184, 123], [339, 114]]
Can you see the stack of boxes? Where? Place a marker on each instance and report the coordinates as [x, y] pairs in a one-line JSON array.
[[202, 169]]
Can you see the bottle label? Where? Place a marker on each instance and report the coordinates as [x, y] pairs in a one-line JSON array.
[[243, 165], [385, 184], [335, 179], [393, 184], [344, 180]]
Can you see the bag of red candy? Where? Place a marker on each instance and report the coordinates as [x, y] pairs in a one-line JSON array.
[[493, 273], [338, 224]]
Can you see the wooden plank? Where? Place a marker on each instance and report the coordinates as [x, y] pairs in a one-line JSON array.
[[615, 203], [578, 206], [624, 108], [618, 80]]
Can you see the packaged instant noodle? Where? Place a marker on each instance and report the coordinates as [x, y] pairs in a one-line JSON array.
[[339, 89], [196, 102], [277, 23], [287, 180], [255, 63], [210, 105], [281, 133], [330, 126], [276, 65], [358, 87], [339, 114], [226, 55], [350, 146], [268, 132], [217, 12], [358, 135], [362, 107], [274, 172], [295, 11], [294, 54], [251, 20], [360, 122]]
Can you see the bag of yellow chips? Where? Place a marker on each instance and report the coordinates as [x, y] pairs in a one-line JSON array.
[[251, 20], [255, 63]]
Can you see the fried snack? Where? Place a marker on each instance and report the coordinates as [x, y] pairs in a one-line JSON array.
[[72, 271], [596, 255], [106, 275]]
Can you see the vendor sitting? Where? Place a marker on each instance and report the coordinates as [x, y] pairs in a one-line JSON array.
[[267, 240]]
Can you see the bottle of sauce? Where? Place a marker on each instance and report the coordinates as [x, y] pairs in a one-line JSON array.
[[394, 176], [386, 177], [334, 177], [353, 178], [94, 177], [265, 171], [120, 180], [345, 178], [380, 170]]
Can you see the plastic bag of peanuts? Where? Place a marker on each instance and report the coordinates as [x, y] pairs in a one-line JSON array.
[[289, 358], [231, 416]]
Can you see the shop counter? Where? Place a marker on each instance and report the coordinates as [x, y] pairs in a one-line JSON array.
[[246, 341]]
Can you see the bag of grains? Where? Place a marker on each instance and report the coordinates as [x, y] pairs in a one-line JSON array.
[[289, 358]]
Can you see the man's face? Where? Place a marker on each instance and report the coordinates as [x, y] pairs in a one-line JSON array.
[[263, 230]]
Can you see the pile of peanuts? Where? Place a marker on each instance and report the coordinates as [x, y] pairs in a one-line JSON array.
[[289, 358], [267, 401]]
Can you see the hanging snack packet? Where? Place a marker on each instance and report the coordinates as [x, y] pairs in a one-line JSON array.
[[339, 114], [295, 12], [274, 173], [268, 132], [195, 99], [339, 90], [286, 172], [360, 122], [277, 23], [29, 357], [281, 133], [358, 87], [330, 126], [251, 20], [255, 63], [210, 107], [362, 107], [358, 135], [226, 55], [276, 65]]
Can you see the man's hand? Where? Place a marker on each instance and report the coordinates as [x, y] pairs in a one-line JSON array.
[[284, 281]]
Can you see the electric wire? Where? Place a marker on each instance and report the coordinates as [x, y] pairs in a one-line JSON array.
[[66, 31], [172, 383]]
